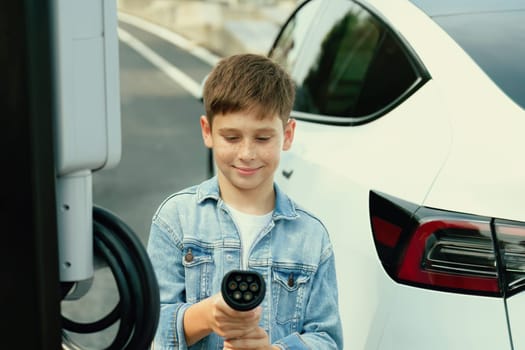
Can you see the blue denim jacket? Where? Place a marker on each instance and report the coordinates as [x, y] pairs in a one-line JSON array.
[[194, 242]]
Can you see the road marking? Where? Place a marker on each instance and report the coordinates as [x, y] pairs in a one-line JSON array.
[[171, 37], [171, 71]]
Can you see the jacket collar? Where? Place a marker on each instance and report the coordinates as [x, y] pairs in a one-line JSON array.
[[284, 206]]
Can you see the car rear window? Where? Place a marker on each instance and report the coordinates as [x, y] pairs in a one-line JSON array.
[[352, 67], [496, 41]]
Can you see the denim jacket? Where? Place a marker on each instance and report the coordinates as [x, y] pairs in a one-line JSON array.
[[194, 242]]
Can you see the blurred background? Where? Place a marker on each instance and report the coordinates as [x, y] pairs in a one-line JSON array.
[[166, 48], [222, 26]]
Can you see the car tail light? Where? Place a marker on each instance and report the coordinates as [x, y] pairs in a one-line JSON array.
[[446, 250], [510, 236]]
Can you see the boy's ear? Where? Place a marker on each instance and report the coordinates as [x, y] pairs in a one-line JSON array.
[[289, 131], [206, 131]]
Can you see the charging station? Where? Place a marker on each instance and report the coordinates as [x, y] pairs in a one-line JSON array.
[[60, 116], [87, 121]]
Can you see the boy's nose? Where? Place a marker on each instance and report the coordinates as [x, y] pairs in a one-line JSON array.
[[247, 151]]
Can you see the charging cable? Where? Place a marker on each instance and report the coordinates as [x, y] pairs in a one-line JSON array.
[[139, 306]]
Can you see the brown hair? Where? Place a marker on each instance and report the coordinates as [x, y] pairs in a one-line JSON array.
[[248, 82]]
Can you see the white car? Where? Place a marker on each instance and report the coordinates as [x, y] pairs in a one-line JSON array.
[[410, 147]]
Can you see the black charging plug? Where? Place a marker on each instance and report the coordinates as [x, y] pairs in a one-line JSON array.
[[243, 290]]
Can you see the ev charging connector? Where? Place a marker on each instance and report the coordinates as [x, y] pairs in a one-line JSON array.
[[243, 290], [87, 123]]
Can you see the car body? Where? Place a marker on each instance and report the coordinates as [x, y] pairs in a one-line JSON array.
[[409, 147]]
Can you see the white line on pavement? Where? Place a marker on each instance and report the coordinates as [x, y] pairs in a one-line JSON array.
[[171, 37], [171, 71]]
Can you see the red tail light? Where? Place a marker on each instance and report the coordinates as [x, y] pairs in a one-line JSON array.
[[449, 251]]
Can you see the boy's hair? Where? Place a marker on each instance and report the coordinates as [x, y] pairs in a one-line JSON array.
[[248, 82]]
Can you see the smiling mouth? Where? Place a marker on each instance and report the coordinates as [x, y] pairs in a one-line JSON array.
[[246, 171]]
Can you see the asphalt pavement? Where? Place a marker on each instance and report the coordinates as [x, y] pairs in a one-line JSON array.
[[224, 27]]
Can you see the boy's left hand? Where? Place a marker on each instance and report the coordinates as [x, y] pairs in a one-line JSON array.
[[256, 340]]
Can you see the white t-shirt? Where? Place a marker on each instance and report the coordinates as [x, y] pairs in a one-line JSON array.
[[249, 226]]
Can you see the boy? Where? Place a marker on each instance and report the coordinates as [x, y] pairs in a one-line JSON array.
[[241, 220]]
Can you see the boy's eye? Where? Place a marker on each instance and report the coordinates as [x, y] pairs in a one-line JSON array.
[[262, 138], [231, 138]]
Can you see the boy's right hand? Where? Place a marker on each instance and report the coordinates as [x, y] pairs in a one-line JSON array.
[[229, 323], [214, 315]]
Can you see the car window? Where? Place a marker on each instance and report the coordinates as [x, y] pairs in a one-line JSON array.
[[286, 49], [353, 66]]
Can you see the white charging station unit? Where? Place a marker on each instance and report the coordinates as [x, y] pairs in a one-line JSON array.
[[87, 123]]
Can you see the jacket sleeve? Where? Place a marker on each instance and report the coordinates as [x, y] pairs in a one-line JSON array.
[[165, 252], [322, 324]]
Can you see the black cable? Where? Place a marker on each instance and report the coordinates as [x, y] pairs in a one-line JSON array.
[[107, 255], [148, 295], [125, 284], [139, 306]]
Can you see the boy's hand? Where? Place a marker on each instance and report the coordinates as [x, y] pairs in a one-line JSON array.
[[255, 340], [229, 323]]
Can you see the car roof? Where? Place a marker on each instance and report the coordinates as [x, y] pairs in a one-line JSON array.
[[435, 8]]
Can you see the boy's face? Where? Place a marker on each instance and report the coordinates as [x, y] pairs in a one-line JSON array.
[[247, 150]]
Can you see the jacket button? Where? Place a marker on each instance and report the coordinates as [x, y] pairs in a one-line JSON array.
[[189, 256], [291, 280]]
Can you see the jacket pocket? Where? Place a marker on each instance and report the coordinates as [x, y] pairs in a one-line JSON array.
[[198, 269], [290, 290]]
